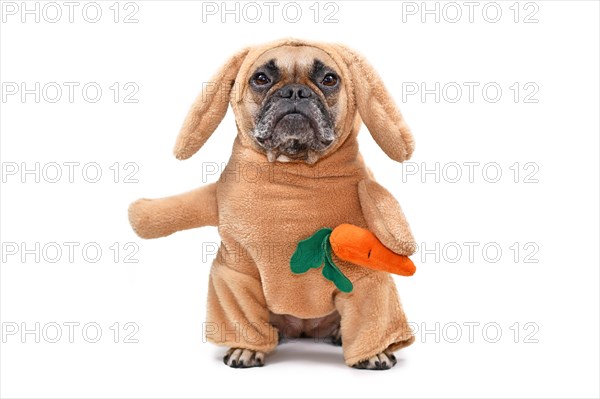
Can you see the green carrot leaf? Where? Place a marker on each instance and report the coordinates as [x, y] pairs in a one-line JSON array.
[[332, 273], [309, 252]]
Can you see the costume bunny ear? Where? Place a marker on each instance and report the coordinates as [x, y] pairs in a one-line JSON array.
[[209, 109], [377, 108]]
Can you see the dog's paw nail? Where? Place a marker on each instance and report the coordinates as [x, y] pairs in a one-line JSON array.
[[259, 359], [390, 357], [381, 361], [226, 359], [361, 365], [336, 338], [243, 358]]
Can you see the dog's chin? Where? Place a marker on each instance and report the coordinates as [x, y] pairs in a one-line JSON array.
[[308, 157], [294, 138], [293, 153]]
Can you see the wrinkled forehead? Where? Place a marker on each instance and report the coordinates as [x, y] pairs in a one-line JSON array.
[[294, 59]]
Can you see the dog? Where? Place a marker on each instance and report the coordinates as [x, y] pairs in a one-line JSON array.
[[298, 107]]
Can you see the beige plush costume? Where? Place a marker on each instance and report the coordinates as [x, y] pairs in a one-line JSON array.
[[265, 211]]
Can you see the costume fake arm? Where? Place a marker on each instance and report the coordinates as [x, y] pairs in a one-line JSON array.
[[385, 218], [153, 218]]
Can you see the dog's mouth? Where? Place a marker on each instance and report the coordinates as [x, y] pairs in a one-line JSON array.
[[294, 136]]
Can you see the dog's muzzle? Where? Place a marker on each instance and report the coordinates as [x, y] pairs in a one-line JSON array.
[[294, 122]]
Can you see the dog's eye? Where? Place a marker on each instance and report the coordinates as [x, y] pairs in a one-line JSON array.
[[261, 79], [330, 80]]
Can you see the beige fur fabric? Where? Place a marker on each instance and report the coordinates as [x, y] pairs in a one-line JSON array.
[[261, 220]]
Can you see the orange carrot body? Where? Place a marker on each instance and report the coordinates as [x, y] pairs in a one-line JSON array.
[[361, 247]]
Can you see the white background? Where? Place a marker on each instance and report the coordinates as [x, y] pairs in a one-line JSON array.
[[167, 54]]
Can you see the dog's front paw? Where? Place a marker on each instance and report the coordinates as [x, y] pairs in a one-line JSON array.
[[382, 361], [336, 337], [244, 358]]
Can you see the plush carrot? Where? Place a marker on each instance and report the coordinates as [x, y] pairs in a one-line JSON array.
[[350, 243], [361, 247]]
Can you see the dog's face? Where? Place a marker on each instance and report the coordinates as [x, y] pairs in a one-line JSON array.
[[297, 101], [295, 98]]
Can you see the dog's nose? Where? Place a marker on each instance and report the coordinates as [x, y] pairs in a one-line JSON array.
[[295, 92]]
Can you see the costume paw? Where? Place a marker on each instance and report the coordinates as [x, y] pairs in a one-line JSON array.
[[140, 218], [382, 361], [239, 358]]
